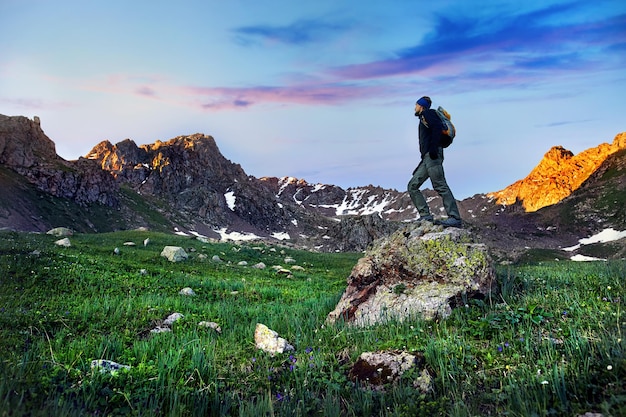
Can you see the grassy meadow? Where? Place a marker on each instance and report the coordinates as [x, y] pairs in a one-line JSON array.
[[550, 344]]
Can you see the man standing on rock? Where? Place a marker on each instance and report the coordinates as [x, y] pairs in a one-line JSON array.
[[431, 166]]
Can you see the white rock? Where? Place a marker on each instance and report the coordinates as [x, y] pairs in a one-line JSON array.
[[172, 318], [107, 366], [283, 271], [211, 325], [60, 231], [174, 253], [268, 340], [187, 291], [63, 242], [160, 329]]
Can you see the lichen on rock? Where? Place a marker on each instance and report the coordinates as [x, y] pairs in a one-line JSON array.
[[417, 271]]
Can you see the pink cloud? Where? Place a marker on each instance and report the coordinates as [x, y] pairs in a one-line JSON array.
[[233, 98], [218, 98]]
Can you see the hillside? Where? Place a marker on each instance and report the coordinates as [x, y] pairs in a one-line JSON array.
[[186, 185]]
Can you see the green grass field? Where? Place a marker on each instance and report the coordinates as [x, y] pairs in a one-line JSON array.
[[550, 344]]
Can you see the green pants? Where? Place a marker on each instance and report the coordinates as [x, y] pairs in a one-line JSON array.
[[433, 169]]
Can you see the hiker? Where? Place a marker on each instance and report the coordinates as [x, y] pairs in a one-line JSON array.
[[431, 166]]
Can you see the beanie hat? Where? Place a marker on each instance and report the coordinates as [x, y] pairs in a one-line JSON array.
[[424, 102]]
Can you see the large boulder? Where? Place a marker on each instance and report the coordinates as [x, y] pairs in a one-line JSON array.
[[421, 270]]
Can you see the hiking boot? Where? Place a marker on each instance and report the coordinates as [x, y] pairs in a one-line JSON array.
[[450, 222], [428, 218]]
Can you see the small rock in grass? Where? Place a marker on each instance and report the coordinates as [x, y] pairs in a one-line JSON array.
[[107, 366], [268, 340], [174, 253], [160, 329], [187, 291], [211, 325], [63, 242], [172, 318]]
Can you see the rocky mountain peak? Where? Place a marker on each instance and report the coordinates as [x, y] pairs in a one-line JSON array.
[[23, 143], [557, 175], [181, 163], [25, 149]]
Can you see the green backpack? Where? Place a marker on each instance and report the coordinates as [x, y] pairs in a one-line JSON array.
[[449, 131]]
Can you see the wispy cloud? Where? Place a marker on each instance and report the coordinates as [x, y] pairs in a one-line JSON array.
[[227, 98], [530, 41], [565, 123], [298, 33]]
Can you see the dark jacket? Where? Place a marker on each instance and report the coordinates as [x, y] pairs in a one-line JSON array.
[[430, 132]]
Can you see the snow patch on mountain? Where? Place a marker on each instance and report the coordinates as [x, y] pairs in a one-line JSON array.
[[230, 200], [605, 236], [235, 236]]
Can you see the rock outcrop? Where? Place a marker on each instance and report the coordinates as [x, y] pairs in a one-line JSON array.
[[559, 173], [421, 270], [23, 143], [25, 149]]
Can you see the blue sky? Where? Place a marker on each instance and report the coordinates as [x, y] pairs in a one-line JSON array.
[[323, 91]]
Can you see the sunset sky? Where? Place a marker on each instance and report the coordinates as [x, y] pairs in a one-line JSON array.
[[323, 90]]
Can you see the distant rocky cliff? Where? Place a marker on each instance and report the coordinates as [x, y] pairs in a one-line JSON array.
[[25, 149], [557, 175]]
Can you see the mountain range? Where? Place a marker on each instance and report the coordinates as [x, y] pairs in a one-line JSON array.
[[185, 185]]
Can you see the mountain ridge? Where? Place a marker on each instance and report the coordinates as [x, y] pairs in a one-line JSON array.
[[187, 184], [557, 175]]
